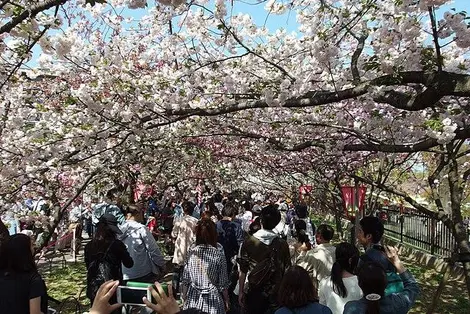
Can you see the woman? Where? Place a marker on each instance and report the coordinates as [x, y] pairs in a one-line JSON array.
[[205, 280], [342, 286], [373, 281], [297, 294], [255, 226], [22, 290], [104, 256], [299, 244]]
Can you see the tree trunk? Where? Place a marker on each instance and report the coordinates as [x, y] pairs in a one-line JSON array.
[[59, 211], [463, 248], [458, 228], [437, 296]]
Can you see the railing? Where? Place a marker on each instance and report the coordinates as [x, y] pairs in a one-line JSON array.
[[418, 230]]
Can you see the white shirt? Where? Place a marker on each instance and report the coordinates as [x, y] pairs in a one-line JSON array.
[[246, 219], [318, 261], [331, 299]]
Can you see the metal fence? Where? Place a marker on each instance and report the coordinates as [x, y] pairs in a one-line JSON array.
[[418, 230]]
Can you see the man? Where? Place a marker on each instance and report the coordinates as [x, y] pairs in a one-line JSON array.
[[282, 227], [184, 233], [263, 248], [75, 227], [301, 212], [229, 233], [141, 245], [110, 206], [370, 233], [319, 261]]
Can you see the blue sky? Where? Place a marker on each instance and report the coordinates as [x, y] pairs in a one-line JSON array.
[[288, 21], [260, 16]]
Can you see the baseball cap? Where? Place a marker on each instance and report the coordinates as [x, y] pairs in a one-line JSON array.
[[112, 223]]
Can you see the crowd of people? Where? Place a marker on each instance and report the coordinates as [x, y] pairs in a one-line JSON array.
[[228, 256]]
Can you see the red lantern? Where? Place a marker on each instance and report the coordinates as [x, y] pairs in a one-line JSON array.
[[349, 194], [304, 190]]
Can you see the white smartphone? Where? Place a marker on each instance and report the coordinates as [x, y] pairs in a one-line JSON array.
[[132, 295]]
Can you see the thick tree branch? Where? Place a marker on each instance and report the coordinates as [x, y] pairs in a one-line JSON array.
[[439, 216], [423, 145], [35, 10], [60, 210], [355, 58], [443, 161], [445, 83]]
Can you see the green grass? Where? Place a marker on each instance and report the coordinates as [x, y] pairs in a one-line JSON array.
[[454, 298], [68, 283]]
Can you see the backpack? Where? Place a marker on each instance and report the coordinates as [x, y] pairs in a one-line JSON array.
[[394, 281], [261, 277], [99, 271], [227, 237]]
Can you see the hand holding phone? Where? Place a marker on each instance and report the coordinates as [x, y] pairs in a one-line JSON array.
[[165, 303], [101, 303], [132, 295]]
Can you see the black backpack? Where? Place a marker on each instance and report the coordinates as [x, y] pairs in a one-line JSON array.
[[228, 239], [99, 271], [263, 275]]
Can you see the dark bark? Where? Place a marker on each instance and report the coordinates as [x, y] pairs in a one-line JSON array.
[[27, 14], [440, 288], [437, 84], [458, 228], [59, 211]]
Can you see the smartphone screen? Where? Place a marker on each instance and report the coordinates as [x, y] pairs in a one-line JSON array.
[[131, 295]]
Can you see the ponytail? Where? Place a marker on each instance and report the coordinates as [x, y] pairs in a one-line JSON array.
[[346, 256], [373, 304], [337, 279], [372, 281], [302, 237]]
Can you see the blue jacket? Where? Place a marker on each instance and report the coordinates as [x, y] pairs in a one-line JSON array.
[[397, 303], [374, 255], [310, 308]]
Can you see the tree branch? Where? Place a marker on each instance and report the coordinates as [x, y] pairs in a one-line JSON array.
[[442, 163], [440, 216], [432, 16], [423, 145], [35, 10], [355, 58], [446, 83]]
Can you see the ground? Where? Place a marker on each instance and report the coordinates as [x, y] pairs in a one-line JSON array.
[[454, 299]]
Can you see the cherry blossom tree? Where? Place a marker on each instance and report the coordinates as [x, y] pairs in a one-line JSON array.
[[190, 89]]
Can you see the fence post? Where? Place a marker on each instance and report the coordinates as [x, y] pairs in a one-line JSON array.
[[433, 235], [402, 219]]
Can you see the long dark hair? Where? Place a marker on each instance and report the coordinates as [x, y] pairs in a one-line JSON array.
[[347, 256], [103, 236], [16, 255], [300, 233], [372, 280], [296, 288], [255, 226]]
